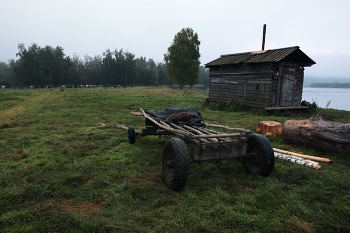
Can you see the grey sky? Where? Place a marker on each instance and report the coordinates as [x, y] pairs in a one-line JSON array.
[[147, 28]]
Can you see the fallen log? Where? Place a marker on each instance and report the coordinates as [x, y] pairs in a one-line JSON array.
[[304, 156], [328, 136]]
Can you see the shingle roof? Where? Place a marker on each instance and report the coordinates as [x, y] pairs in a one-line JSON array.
[[273, 55]]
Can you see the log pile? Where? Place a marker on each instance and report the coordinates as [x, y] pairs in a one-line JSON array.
[[298, 160], [305, 160], [327, 136], [307, 157]]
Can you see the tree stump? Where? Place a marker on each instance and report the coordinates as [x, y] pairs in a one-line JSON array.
[[315, 131], [269, 128]]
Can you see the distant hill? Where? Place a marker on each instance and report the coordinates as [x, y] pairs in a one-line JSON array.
[[312, 79]]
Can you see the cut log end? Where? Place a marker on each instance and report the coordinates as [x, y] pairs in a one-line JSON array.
[[269, 128], [323, 135]]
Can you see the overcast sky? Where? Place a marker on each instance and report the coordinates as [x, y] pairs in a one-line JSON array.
[[147, 28]]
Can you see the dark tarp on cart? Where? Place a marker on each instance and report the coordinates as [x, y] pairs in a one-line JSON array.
[[162, 115]]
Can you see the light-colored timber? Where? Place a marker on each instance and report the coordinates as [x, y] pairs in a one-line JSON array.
[[304, 156]]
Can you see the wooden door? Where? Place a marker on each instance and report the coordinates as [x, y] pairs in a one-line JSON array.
[[286, 79], [287, 90]]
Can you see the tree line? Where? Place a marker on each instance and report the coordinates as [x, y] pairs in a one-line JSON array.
[[40, 66]]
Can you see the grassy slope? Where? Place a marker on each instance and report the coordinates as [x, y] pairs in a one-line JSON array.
[[58, 174]]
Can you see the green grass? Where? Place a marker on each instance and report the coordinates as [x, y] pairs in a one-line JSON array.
[[57, 174]]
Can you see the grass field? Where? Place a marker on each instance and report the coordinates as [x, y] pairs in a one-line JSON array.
[[60, 174]]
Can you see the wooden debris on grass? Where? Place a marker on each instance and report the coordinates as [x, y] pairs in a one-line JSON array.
[[304, 156], [298, 160], [102, 125]]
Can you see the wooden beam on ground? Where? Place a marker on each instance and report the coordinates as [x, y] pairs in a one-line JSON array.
[[126, 128], [298, 160], [304, 156], [137, 114]]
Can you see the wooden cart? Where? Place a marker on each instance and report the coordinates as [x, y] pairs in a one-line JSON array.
[[207, 145]]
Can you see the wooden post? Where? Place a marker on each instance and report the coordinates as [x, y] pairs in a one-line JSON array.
[[263, 42]]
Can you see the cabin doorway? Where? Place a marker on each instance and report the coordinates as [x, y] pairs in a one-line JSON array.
[[285, 85]]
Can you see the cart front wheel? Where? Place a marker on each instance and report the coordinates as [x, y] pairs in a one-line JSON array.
[[131, 135], [175, 164], [260, 158]]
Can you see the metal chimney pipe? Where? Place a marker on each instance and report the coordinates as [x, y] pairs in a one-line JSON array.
[[263, 42]]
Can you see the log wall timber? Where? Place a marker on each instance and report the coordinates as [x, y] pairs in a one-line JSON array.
[[250, 85], [323, 135], [259, 85]]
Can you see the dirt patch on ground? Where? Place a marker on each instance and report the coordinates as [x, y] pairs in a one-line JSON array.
[[86, 146], [83, 208], [5, 116], [11, 112]]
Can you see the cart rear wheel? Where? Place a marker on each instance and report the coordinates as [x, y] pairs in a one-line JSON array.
[[175, 164], [131, 135], [260, 156]]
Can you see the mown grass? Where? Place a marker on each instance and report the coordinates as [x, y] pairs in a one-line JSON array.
[[59, 174]]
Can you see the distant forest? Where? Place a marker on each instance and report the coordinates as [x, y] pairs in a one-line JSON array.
[[39, 67], [331, 85]]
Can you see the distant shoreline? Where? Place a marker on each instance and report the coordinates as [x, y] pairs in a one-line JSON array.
[[329, 85]]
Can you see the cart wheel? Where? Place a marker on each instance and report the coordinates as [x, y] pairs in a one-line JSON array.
[[261, 159], [175, 164], [131, 135]]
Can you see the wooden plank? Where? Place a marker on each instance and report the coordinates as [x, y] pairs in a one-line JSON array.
[[239, 96], [240, 78], [126, 128], [225, 81], [263, 89], [136, 113], [233, 75], [252, 104], [326, 160]]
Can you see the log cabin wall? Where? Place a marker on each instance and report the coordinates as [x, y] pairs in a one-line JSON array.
[[253, 84], [266, 78]]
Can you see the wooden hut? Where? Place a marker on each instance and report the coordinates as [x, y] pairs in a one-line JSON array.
[[263, 79]]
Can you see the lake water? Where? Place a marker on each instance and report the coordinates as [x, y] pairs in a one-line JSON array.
[[339, 97]]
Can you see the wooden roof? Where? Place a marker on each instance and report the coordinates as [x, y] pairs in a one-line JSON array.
[[291, 54]]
